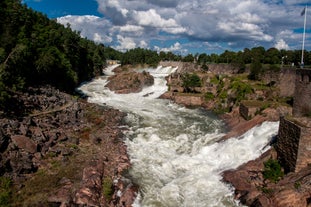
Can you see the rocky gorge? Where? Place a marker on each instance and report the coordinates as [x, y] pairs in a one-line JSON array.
[[61, 151]]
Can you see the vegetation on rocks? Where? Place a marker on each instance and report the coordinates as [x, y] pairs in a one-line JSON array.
[[272, 170]]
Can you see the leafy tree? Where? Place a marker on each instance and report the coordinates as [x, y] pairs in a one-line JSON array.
[[272, 56], [188, 58], [190, 81], [255, 70]]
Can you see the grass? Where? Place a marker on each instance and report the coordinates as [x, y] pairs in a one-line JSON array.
[[45, 181], [107, 188], [5, 191]]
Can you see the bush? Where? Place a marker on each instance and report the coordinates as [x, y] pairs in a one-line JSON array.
[[107, 188], [209, 96], [272, 170], [190, 81], [5, 191]]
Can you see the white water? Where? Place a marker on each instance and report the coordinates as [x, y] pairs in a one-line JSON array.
[[175, 158]]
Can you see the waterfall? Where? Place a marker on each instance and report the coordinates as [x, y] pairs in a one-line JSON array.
[[176, 159]]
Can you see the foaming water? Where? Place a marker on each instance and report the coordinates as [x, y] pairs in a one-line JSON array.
[[175, 158]]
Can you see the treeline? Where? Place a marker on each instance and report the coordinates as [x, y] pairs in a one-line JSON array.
[[259, 54], [35, 50]]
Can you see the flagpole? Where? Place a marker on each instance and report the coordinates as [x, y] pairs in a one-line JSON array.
[[303, 38]]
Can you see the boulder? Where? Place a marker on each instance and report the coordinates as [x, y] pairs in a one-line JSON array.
[[25, 143], [129, 82]]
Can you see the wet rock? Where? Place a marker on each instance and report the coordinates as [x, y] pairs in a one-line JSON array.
[[130, 82]]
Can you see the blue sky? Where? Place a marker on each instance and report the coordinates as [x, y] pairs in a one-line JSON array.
[[184, 26]]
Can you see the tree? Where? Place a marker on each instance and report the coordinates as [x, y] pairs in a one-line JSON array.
[[188, 58], [190, 81], [255, 70], [272, 56]]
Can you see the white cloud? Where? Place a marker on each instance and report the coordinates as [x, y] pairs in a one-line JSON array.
[[281, 44], [125, 43], [90, 26], [151, 18], [143, 44], [234, 23], [97, 37], [173, 48]]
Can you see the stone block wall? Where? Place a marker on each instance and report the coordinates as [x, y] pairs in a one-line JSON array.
[[243, 110], [287, 82], [304, 152], [287, 144], [302, 95], [293, 144], [248, 111]]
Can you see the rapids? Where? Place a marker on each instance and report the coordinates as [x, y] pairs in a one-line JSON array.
[[176, 159]]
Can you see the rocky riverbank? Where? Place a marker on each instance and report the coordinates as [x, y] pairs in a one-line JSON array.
[[62, 151]]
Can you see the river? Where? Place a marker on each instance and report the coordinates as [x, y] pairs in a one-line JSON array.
[[176, 159]]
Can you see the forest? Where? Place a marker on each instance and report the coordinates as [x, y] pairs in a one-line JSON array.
[[36, 50]]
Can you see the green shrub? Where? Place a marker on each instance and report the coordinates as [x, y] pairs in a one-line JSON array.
[[107, 188], [214, 80], [190, 81], [297, 185], [209, 96], [223, 95], [5, 191], [272, 170]]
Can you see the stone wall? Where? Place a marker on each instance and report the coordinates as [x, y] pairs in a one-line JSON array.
[[222, 68], [287, 144], [293, 143], [302, 96], [304, 152], [248, 109], [287, 82], [243, 110]]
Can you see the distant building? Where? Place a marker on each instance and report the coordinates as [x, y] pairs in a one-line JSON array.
[[112, 62]]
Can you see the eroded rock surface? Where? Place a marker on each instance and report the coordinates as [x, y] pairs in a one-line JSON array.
[[57, 151], [129, 82]]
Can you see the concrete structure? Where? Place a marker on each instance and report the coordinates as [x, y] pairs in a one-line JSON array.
[[112, 62], [293, 144], [302, 96], [248, 109]]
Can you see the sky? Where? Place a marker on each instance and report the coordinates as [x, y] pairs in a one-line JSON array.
[[185, 26]]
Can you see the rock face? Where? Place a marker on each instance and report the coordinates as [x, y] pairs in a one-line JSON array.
[[253, 190], [129, 82], [59, 150]]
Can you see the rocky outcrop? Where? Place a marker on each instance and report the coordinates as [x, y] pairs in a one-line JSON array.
[[185, 99], [60, 149], [253, 190], [129, 82]]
